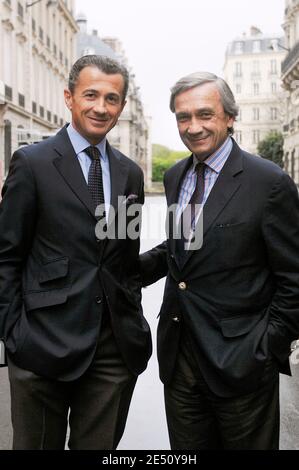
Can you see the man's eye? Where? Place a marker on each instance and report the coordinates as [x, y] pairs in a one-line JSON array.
[[182, 118], [112, 99], [89, 95], [206, 115]]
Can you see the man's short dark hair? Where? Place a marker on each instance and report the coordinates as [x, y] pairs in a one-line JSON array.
[[104, 64]]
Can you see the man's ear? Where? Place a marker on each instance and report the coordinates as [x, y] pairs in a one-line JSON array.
[[230, 122], [68, 99]]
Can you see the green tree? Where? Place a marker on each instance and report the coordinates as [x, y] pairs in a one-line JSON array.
[[271, 148], [164, 158]]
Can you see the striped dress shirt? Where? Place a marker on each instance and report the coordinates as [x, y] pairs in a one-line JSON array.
[[214, 164]]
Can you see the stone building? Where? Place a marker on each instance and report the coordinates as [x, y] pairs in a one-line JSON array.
[[132, 133], [252, 69], [290, 78], [37, 49]]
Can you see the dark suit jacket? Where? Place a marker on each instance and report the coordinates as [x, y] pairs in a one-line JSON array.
[[241, 301], [54, 273]]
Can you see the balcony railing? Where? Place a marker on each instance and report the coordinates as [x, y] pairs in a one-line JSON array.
[[291, 59]]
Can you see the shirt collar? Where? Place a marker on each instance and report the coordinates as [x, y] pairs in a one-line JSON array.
[[80, 143], [217, 159]]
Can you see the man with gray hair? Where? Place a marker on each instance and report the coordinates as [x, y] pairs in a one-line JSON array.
[[70, 301], [231, 306]]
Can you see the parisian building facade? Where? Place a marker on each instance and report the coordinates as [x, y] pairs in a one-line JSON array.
[[37, 49], [132, 133], [290, 78], [252, 70]]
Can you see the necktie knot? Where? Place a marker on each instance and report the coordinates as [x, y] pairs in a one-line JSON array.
[[93, 152], [199, 168]]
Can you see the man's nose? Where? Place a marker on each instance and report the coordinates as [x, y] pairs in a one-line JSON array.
[[100, 106], [195, 126]]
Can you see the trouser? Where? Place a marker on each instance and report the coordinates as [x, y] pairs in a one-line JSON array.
[[95, 405], [199, 419]]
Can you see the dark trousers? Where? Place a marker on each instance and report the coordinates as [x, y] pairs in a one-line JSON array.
[[198, 419], [95, 405]]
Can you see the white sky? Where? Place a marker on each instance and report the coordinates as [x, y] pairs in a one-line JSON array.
[[166, 39]]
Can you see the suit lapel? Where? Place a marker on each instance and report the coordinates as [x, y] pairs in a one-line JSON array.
[[223, 190], [69, 167], [226, 185], [118, 176]]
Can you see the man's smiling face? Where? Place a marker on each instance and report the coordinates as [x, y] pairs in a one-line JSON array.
[[96, 103], [202, 123]]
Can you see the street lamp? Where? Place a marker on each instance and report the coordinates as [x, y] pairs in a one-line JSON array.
[[272, 47]]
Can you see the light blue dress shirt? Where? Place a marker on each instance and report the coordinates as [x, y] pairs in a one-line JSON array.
[[79, 143]]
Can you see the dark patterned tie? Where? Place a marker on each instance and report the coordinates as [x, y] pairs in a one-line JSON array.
[[188, 217], [95, 177], [196, 198]]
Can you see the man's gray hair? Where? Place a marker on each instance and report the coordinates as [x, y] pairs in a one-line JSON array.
[[104, 64], [200, 78]]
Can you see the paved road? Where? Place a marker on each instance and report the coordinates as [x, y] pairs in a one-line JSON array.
[[146, 426]]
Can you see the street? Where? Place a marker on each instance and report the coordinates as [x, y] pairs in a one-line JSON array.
[[146, 427]]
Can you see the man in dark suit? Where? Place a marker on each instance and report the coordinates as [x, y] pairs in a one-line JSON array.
[[70, 311], [231, 307]]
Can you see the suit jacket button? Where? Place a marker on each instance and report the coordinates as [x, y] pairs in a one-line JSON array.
[[182, 286], [175, 318], [98, 300]]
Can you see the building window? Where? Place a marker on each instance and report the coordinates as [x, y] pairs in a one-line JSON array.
[[256, 89], [286, 161], [238, 88], [21, 100], [256, 114], [239, 47], [7, 145], [55, 119], [42, 111], [273, 87], [256, 47], [20, 11], [273, 67], [255, 69], [274, 114], [41, 33], [34, 107], [49, 116], [48, 43], [8, 93], [238, 69], [255, 137], [33, 25], [238, 135], [55, 49], [61, 122], [61, 57]]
